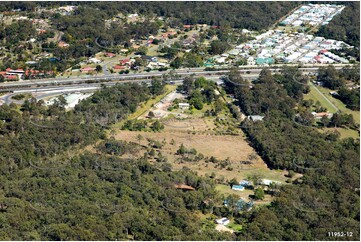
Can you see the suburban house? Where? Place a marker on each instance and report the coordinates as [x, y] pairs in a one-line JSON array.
[[11, 74], [267, 182], [123, 50], [94, 60], [125, 62], [322, 114], [11, 77], [183, 106], [108, 54], [223, 221], [10, 71]]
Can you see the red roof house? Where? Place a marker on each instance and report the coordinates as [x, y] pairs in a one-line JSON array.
[[125, 62], [11, 77], [108, 54]]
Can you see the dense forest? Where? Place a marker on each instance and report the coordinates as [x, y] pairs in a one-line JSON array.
[[233, 14], [52, 191], [110, 105], [326, 198]]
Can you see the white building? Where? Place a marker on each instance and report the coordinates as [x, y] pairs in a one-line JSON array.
[[94, 60], [268, 182], [255, 118], [223, 221], [183, 106]]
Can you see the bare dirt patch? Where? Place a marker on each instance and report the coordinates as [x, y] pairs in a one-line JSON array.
[[222, 228]]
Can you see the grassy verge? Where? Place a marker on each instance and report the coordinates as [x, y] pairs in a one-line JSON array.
[[226, 189]]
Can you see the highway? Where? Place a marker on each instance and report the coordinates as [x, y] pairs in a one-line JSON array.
[[48, 91], [42, 88], [245, 70]]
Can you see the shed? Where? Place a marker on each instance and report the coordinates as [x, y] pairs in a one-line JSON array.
[[238, 187]]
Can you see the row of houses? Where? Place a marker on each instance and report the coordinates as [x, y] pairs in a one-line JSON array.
[[313, 14], [282, 47], [245, 183], [17, 74]]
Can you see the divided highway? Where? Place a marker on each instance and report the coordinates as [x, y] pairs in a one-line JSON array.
[[248, 72]]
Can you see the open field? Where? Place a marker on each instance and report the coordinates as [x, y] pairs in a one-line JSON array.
[[340, 105], [198, 134], [345, 133], [330, 103], [316, 96]]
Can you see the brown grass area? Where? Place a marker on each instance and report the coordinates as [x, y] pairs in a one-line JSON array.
[[198, 134]]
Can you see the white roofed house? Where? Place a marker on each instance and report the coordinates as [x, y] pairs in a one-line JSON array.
[[255, 118], [183, 106], [267, 182], [221, 60], [322, 114], [94, 60], [223, 221]]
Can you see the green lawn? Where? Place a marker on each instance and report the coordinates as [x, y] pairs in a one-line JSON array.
[[235, 227], [316, 96], [340, 105], [345, 133], [226, 189]]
